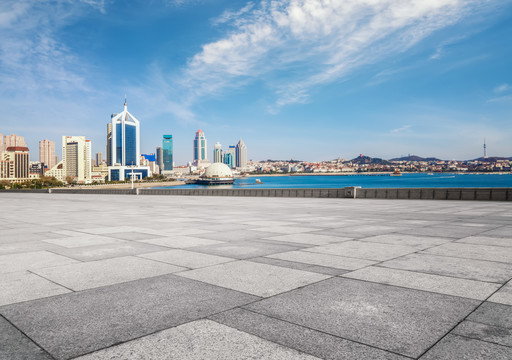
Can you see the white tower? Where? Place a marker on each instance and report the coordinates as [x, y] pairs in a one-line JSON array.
[[217, 153], [241, 154], [125, 140]]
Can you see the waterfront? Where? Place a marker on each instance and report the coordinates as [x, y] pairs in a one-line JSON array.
[[422, 180]]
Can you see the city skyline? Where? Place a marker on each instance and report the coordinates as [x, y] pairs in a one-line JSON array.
[[382, 79]]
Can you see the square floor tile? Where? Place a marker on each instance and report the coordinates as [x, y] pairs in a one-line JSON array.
[[186, 258], [487, 240], [133, 235], [237, 235], [471, 251], [16, 346], [365, 250], [503, 295], [22, 286], [454, 347], [32, 260], [105, 272], [211, 341], [400, 320], [428, 282], [419, 242], [244, 249], [453, 266], [307, 238], [78, 323], [181, 241], [254, 278], [334, 261], [83, 240]]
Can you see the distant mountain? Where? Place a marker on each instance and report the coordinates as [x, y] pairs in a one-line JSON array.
[[414, 158], [491, 159], [369, 160]]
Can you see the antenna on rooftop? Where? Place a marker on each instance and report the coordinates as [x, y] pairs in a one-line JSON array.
[[485, 150]]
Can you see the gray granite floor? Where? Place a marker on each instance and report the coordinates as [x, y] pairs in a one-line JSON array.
[[168, 277]]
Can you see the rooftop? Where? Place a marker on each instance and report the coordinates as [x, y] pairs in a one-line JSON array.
[[169, 277]]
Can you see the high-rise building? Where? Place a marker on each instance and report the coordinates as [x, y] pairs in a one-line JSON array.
[[98, 159], [14, 141], [47, 153], [230, 156], [125, 142], [217, 153], [109, 143], [241, 154], [14, 163], [199, 146], [167, 153], [76, 158], [1, 144], [160, 158]]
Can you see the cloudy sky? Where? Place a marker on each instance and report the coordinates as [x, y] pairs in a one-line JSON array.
[[301, 79]]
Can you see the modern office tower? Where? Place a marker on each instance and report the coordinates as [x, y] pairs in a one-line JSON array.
[[167, 157], [47, 153], [241, 154], [109, 143], [230, 156], [14, 141], [76, 158], [98, 159], [160, 158], [217, 153], [1, 144], [125, 143], [199, 146], [14, 163]]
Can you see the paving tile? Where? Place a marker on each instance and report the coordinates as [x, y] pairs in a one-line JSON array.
[[454, 347], [133, 235], [100, 252], [31, 260], [105, 272], [471, 251], [286, 229], [16, 236], [111, 229], [334, 261], [503, 231], [299, 266], [452, 266], [23, 286], [493, 314], [244, 249], [254, 278], [487, 240], [310, 341], [16, 346], [447, 232], [25, 246], [484, 332], [308, 238], [78, 323], [419, 242], [403, 321], [365, 250], [211, 340], [428, 282], [83, 240], [181, 241], [237, 235], [186, 258]]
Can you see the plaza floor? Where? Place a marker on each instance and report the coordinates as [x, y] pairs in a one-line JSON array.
[[169, 277]]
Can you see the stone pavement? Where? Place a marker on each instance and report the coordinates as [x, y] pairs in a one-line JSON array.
[[168, 277]]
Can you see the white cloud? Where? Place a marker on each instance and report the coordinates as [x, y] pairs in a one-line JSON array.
[[400, 129], [319, 41], [502, 88]]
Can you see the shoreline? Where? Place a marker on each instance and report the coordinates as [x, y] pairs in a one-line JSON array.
[[378, 174], [126, 185]]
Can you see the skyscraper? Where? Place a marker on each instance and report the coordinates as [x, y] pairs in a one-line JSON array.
[[99, 159], [199, 146], [160, 158], [14, 163], [109, 143], [217, 153], [167, 157], [76, 158], [230, 156], [241, 154], [125, 148], [47, 153], [1, 144], [14, 141]]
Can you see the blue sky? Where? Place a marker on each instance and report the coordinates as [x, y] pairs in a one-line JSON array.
[[302, 79]]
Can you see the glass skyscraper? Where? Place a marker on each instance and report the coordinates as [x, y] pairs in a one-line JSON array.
[[229, 156], [125, 139], [167, 152], [199, 146]]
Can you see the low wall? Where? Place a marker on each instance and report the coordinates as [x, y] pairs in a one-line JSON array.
[[486, 194]]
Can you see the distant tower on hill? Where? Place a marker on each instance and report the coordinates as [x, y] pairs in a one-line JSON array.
[[485, 150]]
